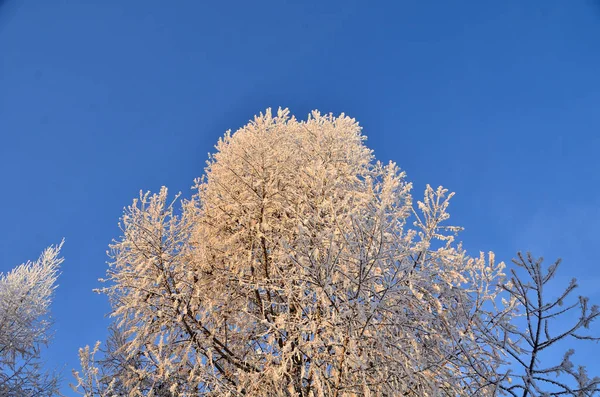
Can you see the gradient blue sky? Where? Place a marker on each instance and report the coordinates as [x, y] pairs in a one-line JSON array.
[[496, 100]]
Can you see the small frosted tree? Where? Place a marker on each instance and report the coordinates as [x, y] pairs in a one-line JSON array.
[[532, 377], [25, 297], [300, 267]]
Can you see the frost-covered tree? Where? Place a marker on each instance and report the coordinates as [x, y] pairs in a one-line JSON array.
[[300, 267], [25, 297]]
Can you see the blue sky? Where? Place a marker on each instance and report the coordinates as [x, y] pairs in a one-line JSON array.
[[496, 100]]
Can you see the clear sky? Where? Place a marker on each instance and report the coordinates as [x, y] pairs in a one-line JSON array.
[[496, 100]]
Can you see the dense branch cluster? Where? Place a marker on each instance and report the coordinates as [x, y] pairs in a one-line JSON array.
[[302, 267]]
